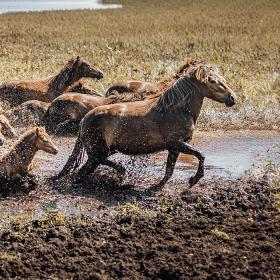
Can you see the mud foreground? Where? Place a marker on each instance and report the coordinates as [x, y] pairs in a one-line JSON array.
[[229, 230]]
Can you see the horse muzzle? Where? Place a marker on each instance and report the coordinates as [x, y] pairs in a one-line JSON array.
[[53, 151], [98, 75], [230, 100]]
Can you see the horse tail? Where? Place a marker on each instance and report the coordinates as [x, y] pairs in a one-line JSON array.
[[75, 158]]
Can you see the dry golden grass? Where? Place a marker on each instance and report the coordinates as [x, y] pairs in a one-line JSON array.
[[148, 39]]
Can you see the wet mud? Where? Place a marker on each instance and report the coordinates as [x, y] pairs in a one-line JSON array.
[[229, 232], [228, 156], [225, 227]]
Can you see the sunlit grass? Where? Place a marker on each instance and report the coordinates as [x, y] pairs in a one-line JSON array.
[[148, 40]]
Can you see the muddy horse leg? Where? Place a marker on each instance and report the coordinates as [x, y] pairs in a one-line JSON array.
[[96, 155], [170, 165], [118, 167], [187, 149]]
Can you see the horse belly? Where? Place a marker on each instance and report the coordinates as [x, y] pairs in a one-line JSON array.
[[141, 138]]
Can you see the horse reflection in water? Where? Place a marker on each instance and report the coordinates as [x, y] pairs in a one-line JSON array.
[[164, 121]]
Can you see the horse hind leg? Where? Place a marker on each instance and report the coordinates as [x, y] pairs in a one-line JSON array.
[[96, 156], [118, 167]]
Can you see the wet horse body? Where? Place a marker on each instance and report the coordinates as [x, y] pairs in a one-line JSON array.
[[17, 92], [163, 122], [144, 87], [29, 112], [64, 114]]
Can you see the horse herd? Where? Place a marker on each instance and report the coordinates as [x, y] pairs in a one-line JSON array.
[[133, 117]]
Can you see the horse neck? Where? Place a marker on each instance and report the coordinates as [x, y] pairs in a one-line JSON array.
[[195, 104], [25, 150], [64, 79], [184, 97]]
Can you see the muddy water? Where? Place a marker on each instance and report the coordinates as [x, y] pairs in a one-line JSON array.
[[228, 155]]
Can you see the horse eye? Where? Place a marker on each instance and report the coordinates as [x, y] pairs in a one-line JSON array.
[[212, 82]]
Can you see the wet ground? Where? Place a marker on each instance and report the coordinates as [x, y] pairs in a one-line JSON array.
[[229, 155], [225, 227], [229, 229]]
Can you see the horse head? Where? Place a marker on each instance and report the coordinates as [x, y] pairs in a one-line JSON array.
[[43, 141], [86, 69], [212, 85]]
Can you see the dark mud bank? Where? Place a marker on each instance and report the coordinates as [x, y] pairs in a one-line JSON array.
[[230, 231]]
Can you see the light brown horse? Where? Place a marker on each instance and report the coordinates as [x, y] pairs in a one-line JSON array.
[[17, 92], [64, 114], [6, 130], [165, 122], [144, 87], [17, 161]]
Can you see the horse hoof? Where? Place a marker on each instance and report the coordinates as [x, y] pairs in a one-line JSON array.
[[193, 180]]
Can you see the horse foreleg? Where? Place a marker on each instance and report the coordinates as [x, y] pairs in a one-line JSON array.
[[170, 165], [187, 149]]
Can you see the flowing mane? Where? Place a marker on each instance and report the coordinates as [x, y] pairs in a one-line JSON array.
[[181, 92], [64, 78]]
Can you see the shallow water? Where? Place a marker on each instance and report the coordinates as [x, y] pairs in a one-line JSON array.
[[229, 155], [49, 5]]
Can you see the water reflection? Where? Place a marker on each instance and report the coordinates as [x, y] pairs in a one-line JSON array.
[[49, 5]]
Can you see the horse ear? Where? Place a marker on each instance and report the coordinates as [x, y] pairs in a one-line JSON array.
[[37, 131]]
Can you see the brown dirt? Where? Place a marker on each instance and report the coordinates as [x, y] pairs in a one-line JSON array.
[[229, 231]]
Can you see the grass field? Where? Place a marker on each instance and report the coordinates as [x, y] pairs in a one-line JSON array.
[[148, 39]]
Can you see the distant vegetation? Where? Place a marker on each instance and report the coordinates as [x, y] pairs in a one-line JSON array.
[[148, 39]]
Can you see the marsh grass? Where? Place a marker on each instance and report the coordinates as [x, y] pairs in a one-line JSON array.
[[149, 39]]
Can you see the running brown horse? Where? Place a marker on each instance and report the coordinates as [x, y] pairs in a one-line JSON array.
[[6, 130], [147, 88], [165, 122], [17, 92], [64, 114]]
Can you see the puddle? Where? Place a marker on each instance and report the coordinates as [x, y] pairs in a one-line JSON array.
[[227, 155], [230, 155], [7, 6]]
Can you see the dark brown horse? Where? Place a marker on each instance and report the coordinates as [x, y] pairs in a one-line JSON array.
[[64, 114], [146, 88], [27, 113], [165, 122], [17, 92]]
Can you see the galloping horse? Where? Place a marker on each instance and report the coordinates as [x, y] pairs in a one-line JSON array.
[[17, 92], [6, 130], [165, 122], [146, 88], [64, 114], [17, 161]]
